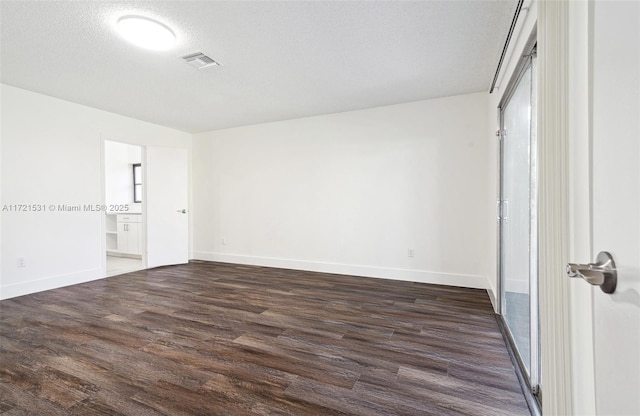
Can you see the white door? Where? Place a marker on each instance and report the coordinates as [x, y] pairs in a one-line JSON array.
[[166, 198], [616, 203]]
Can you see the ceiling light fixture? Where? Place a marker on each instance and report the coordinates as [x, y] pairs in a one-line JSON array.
[[146, 33]]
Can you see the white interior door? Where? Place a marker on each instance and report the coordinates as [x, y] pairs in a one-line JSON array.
[[616, 203], [166, 199]]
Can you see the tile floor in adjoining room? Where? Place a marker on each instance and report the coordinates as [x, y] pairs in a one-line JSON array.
[[122, 265]]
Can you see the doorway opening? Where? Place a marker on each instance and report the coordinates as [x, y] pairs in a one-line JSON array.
[[518, 254], [124, 218]]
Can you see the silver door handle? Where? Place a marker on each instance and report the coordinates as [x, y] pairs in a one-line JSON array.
[[601, 273], [183, 211], [502, 210]]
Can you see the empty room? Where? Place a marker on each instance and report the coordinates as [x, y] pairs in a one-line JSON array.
[[320, 207]]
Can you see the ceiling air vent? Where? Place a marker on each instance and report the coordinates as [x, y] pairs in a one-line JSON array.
[[199, 60]]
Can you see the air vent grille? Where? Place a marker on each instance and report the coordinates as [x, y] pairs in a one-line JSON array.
[[199, 60]]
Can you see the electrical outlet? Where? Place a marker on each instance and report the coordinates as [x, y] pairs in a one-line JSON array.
[[224, 241], [21, 262], [411, 252]]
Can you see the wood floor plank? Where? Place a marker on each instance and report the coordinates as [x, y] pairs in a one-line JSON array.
[[221, 339]]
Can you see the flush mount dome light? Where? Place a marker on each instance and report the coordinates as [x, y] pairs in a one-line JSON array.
[[146, 33]]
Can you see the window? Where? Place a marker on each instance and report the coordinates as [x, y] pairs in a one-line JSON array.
[[137, 182]]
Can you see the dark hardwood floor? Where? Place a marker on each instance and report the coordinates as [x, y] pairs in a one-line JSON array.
[[222, 339]]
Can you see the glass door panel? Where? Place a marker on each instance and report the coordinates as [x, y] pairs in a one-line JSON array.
[[516, 214]]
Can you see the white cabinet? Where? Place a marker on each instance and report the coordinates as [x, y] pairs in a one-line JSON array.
[[129, 233]]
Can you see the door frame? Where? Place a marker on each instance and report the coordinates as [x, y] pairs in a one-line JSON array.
[[566, 315]]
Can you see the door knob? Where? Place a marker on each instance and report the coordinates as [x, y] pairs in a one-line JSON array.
[[183, 211], [601, 273]]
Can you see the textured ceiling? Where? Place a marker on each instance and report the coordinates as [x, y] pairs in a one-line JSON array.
[[280, 60]]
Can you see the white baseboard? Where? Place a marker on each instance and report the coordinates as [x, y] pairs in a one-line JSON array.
[[48, 283], [493, 299], [420, 276]]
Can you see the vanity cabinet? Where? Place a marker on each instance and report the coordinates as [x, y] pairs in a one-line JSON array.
[[128, 233]]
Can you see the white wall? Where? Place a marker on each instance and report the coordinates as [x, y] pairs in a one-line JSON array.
[[351, 192], [51, 154]]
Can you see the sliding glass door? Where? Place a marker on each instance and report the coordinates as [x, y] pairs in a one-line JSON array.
[[517, 213]]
